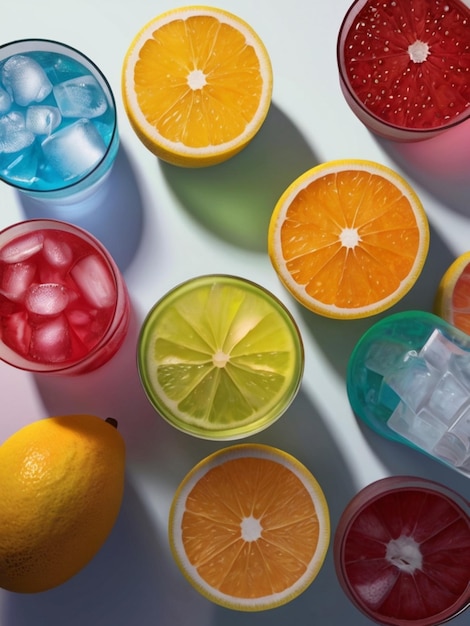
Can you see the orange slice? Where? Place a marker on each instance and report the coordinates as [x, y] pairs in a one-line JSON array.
[[249, 527], [348, 238], [196, 85], [453, 294]]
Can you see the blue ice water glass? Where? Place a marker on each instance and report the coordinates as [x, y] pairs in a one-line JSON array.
[[58, 122], [408, 378]]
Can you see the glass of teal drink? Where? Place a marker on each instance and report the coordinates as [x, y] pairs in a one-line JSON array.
[[58, 127]]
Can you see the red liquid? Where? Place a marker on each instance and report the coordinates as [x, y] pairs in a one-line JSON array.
[[58, 298], [402, 552]]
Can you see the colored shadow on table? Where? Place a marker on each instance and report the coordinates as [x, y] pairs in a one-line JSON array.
[[235, 199], [441, 165], [113, 214]]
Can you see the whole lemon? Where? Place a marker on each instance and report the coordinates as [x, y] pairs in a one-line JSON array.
[[61, 488]]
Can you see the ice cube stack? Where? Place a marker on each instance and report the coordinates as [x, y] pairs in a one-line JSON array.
[[55, 120]]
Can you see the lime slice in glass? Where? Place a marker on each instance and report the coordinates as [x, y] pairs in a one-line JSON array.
[[220, 357]]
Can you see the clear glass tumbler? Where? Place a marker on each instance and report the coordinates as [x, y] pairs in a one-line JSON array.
[[64, 305], [58, 124]]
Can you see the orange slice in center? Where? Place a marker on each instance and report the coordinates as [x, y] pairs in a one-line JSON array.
[[348, 238]]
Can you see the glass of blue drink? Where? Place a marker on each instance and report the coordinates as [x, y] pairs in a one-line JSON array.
[[58, 126]]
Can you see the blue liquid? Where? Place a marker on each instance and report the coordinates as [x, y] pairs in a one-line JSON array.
[[30, 168]]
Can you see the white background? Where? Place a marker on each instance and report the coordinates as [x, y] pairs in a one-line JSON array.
[[164, 225]]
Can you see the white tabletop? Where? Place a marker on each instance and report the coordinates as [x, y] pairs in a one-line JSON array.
[[164, 225]]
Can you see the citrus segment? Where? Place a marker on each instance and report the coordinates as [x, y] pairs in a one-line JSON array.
[[405, 65], [453, 294], [402, 549], [249, 527], [348, 238], [220, 357], [197, 85], [61, 485]]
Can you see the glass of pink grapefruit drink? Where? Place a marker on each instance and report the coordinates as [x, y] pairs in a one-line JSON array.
[[404, 66], [64, 305], [402, 552]]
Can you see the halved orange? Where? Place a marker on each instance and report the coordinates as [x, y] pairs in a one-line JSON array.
[[452, 301], [249, 527], [196, 85], [348, 238]]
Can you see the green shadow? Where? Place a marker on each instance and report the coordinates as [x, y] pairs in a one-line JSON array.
[[235, 199]]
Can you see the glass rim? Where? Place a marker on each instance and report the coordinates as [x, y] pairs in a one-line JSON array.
[[232, 432], [109, 93], [60, 225], [422, 133], [365, 498]]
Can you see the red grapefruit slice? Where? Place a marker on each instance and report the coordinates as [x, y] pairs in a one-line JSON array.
[[405, 65], [402, 552]]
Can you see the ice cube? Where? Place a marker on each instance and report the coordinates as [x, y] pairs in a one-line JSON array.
[[454, 447], [25, 80], [47, 299], [385, 356], [447, 398], [451, 449], [75, 149], [14, 136], [56, 252], [421, 429], [24, 166], [438, 350], [80, 97], [5, 101], [16, 332], [22, 248], [413, 383], [94, 281], [42, 119], [50, 342], [15, 280]]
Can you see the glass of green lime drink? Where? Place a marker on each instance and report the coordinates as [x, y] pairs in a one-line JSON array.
[[220, 357]]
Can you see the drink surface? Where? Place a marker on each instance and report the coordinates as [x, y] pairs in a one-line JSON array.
[[57, 297], [56, 122]]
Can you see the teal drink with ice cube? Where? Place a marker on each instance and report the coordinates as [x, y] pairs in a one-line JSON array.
[[58, 128], [408, 379]]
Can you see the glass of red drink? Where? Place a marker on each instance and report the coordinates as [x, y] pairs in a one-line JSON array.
[[404, 66], [402, 552], [64, 305]]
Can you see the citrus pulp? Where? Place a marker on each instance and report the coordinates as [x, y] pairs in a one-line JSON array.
[[404, 66], [249, 527], [348, 238], [402, 552], [452, 301], [220, 357], [196, 85]]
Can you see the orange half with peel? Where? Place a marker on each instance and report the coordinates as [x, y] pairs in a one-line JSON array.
[[348, 238], [196, 85], [249, 527]]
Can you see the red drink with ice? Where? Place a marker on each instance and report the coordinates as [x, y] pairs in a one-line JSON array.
[[64, 306]]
